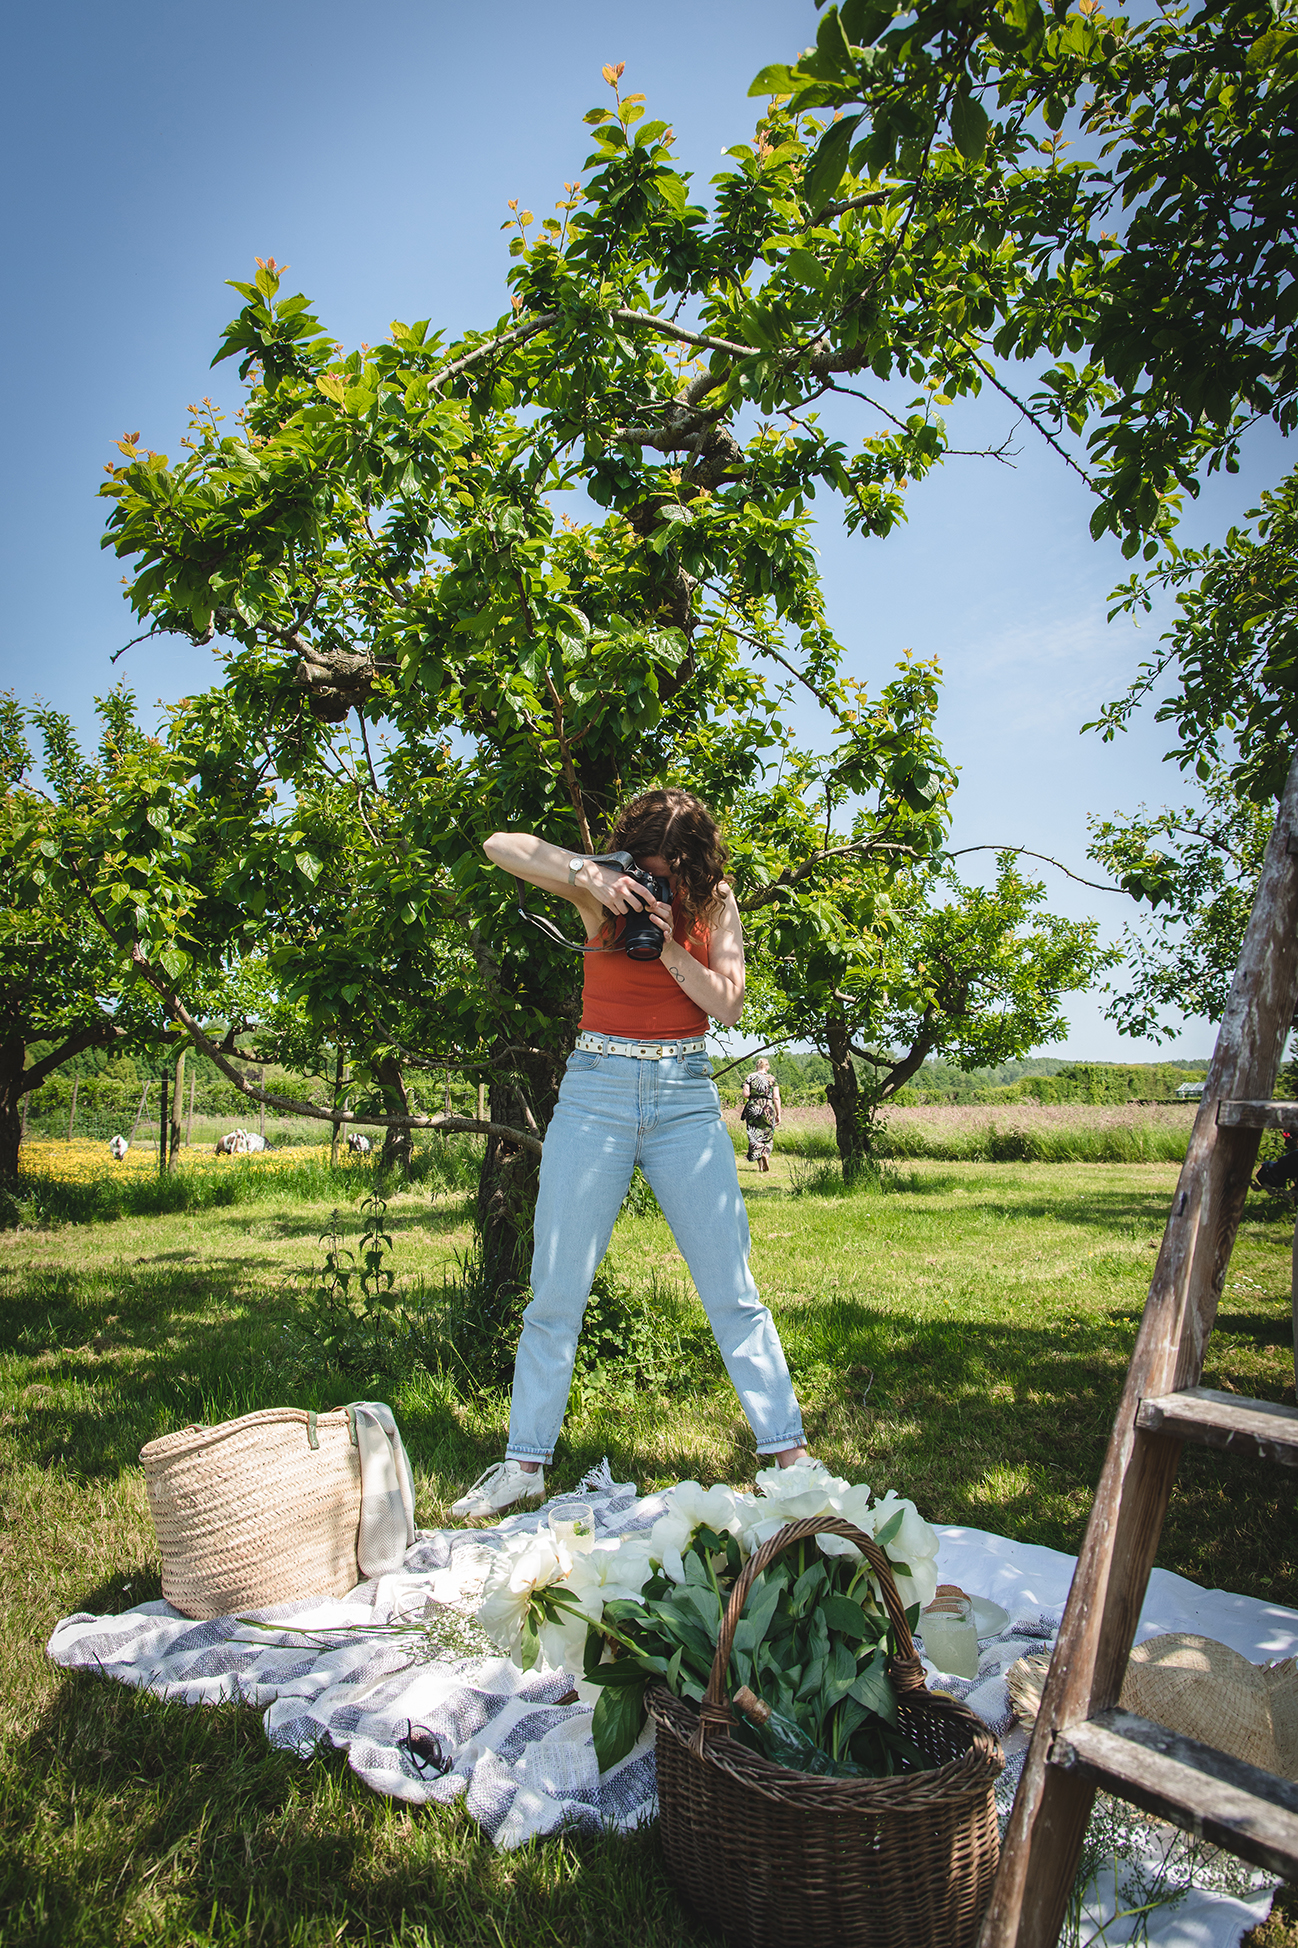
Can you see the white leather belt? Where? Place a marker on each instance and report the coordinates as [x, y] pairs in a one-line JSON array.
[[641, 1051]]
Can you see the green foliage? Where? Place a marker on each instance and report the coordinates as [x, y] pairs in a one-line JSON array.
[[1232, 651], [1198, 867], [1168, 312], [813, 1641]]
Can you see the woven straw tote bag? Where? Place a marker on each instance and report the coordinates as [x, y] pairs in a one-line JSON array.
[[777, 1859], [258, 1511]]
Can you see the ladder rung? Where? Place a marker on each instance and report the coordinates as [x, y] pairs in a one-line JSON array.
[[1222, 1799], [1258, 1115], [1256, 1427]]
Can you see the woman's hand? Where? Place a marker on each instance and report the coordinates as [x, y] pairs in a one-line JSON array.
[[621, 894]]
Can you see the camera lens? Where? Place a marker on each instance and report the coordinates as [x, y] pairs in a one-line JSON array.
[[642, 939]]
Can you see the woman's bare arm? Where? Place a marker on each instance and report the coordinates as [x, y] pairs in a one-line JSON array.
[[718, 988], [594, 890]]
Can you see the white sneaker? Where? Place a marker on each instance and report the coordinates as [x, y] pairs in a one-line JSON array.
[[503, 1484]]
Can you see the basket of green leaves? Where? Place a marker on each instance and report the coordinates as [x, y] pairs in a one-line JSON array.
[[818, 1793]]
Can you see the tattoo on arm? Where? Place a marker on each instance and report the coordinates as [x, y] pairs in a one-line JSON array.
[[678, 976]]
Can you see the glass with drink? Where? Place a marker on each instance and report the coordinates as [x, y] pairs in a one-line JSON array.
[[572, 1524]]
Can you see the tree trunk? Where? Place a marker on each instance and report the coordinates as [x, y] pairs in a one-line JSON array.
[[853, 1110], [12, 1105], [163, 1121], [398, 1145], [189, 1120], [177, 1098], [508, 1180]]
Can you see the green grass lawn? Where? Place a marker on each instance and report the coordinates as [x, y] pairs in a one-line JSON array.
[[961, 1337]]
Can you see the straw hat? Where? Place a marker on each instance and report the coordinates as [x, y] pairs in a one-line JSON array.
[[1201, 1689]]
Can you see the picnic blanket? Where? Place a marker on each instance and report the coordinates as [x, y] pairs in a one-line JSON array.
[[397, 1669]]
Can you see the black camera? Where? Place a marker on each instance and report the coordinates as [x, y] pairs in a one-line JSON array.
[[642, 937]]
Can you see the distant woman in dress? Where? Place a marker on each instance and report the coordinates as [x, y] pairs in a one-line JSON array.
[[761, 1112]]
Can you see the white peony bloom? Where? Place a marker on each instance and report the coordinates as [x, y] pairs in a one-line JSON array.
[[913, 1549], [807, 1490], [690, 1507], [527, 1563], [612, 1571]]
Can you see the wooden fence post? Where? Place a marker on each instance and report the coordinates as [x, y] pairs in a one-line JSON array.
[[189, 1121], [339, 1067], [261, 1084], [163, 1120], [144, 1101], [482, 1102], [177, 1097], [72, 1114]]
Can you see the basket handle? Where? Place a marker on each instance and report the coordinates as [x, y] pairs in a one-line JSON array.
[[905, 1668]]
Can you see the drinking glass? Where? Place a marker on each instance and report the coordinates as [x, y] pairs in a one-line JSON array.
[[573, 1525], [950, 1639]]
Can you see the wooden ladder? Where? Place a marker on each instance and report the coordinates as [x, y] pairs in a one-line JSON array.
[[1082, 1742]]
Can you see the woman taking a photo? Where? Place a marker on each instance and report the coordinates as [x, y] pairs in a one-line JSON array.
[[638, 1089]]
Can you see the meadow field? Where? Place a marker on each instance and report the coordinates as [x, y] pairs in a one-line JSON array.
[[958, 1331]]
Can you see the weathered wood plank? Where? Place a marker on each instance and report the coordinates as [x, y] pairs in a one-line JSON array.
[[1257, 1115], [1222, 1799], [1260, 1428], [1039, 1858]]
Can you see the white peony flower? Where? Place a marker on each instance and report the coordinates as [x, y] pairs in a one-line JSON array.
[[690, 1507], [807, 1490], [913, 1549], [612, 1571], [527, 1563]]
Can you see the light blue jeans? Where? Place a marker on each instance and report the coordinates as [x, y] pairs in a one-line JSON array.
[[612, 1114]]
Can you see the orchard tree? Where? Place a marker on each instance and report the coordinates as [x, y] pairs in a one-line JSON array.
[[377, 543], [970, 975], [62, 986]]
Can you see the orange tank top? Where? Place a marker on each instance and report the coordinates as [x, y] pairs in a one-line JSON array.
[[639, 998]]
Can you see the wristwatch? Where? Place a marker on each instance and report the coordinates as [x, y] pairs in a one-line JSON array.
[[574, 867]]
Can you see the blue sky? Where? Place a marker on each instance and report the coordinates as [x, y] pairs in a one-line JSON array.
[[152, 150]]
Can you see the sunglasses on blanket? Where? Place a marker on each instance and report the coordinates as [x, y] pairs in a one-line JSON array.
[[425, 1749]]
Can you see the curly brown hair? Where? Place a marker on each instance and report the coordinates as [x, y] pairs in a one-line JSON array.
[[676, 826]]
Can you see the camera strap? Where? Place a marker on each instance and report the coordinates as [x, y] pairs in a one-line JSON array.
[[548, 927]]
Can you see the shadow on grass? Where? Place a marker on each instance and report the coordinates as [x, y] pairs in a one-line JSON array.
[[149, 1822]]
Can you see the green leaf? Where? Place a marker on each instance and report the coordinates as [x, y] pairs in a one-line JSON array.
[[777, 79], [530, 1646], [969, 126], [847, 1617], [873, 1689], [615, 1726], [757, 1615], [827, 163], [890, 1529]]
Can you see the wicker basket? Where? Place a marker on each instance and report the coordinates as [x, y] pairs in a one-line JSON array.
[[776, 1859], [258, 1511]]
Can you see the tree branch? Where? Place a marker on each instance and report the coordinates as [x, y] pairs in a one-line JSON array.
[[96, 1036], [791, 876], [1043, 856], [666, 328], [1032, 418], [498, 344], [750, 1054]]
